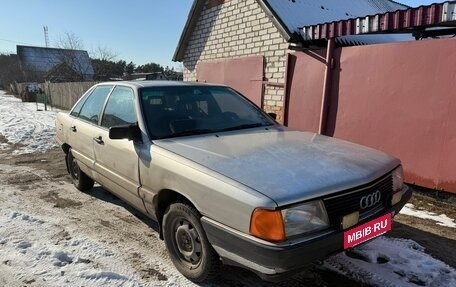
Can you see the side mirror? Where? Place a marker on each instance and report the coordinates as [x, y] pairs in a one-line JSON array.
[[273, 115], [130, 132]]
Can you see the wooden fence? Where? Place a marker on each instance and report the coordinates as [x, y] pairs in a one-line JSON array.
[[65, 95]]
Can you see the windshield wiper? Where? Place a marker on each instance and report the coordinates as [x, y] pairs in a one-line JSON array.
[[187, 133], [241, 127]]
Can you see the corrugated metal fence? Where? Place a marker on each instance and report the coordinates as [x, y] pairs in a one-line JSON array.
[[397, 97]]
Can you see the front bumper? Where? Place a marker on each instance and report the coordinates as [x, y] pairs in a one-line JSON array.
[[274, 261]]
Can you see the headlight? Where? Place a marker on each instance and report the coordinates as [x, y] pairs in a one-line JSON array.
[[398, 185], [305, 218], [277, 225], [398, 179]]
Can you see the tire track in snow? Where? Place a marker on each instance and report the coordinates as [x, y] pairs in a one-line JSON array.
[[21, 124], [51, 246]]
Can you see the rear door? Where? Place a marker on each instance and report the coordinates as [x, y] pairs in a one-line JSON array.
[[116, 161], [85, 125]]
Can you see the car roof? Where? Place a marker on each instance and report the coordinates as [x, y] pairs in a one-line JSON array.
[[154, 83]]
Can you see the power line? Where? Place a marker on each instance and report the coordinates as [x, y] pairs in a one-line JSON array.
[[15, 42]]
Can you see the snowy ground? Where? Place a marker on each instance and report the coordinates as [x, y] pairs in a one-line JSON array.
[[393, 262], [53, 235], [440, 219], [23, 123], [48, 239]]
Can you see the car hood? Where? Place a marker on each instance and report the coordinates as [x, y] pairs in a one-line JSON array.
[[285, 165]]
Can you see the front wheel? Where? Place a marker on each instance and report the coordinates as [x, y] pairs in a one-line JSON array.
[[187, 243], [80, 180]]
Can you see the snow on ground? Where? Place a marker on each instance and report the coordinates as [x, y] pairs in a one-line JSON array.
[[35, 252], [47, 238], [440, 219], [96, 243], [80, 240], [393, 262], [22, 124]]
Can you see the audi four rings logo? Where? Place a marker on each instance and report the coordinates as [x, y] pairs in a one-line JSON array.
[[370, 200]]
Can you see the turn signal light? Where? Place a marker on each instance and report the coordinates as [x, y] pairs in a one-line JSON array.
[[267, 225]]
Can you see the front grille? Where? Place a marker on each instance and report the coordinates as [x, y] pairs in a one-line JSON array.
[[348, 201]]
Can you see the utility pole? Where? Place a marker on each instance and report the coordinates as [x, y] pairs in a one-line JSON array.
[[46, 36], [46, 40]]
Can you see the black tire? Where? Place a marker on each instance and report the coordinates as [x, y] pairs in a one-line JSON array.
[[80, 180], [187, 244]]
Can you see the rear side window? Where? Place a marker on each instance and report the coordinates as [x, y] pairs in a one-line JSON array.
[[77, 107], [91, 109], [120, 109]]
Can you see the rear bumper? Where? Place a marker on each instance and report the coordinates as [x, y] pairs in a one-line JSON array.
[[274, 261]]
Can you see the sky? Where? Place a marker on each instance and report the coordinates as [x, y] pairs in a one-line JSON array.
[[141, 31], [416, 3]]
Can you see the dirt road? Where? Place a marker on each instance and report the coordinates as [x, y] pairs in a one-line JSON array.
[[37, 196]]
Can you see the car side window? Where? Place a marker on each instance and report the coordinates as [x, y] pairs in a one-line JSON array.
[[77, 108], [120, 109], [91, 109], [232, 105]]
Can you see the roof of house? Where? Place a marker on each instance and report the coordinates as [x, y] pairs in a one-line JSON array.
[[41, 59], [298, 13], [434, 17], [290, 15]]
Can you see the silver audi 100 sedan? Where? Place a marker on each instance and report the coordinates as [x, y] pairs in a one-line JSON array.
[[226, 183]]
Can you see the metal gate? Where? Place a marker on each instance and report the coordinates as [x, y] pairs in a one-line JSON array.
[[396, 97], [243, 74]]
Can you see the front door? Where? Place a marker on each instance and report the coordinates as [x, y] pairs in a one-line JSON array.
[[116, 161]]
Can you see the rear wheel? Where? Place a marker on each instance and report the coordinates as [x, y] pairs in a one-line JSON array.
[[187, 243], [80, 180]]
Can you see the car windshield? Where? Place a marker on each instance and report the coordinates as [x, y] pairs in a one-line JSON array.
[[173, 111]]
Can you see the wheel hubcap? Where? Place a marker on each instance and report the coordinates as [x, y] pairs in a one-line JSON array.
[[188, 242]]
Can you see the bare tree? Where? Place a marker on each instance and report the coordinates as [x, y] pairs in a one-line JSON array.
[[103, 53], [70, 41], [73, 63], [105, 65]]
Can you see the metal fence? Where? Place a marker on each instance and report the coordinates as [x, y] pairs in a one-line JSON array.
[[396, 97]]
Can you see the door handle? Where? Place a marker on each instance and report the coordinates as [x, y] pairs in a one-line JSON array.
[[99, 140], [73, 129]]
